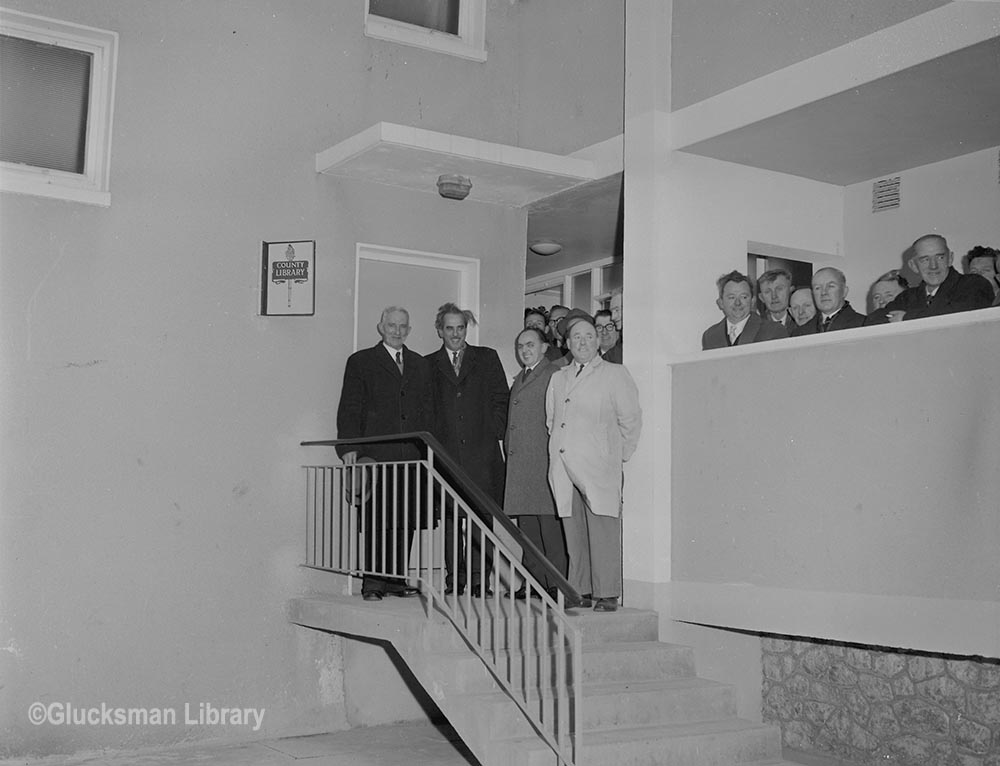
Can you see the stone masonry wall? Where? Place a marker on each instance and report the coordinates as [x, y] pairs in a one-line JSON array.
[[868, 705]]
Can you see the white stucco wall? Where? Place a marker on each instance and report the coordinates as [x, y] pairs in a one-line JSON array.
[[150, 525]]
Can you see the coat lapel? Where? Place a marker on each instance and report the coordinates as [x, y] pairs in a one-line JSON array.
[[386, 361]]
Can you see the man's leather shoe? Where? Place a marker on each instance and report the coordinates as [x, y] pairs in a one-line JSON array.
[[405, 592], [449, 590], [521, 594], [606, 605], [586, 601], [479, 592], [371, 596]]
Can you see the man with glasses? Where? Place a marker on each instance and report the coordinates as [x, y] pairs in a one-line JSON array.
[[942, 289], [557, 346], [608, 337]]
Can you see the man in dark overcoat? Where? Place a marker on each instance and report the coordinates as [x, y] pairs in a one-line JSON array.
[[387, 390], [527, 495], [470, 417]]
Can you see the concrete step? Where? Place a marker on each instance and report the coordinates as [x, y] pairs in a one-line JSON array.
[[605, 707], [654, 703], [633, 660], [716, 743], [461, 671], [489, 622]]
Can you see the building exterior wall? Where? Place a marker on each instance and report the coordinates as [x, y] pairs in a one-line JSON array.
[[151, 508]]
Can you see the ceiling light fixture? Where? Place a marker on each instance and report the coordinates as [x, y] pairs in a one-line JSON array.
[[454, 186], [545, 247]]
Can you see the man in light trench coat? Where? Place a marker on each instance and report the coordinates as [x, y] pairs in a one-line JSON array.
[[594, 420]]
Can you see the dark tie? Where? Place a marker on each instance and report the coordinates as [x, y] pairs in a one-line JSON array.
[[579, 369], [454, 361], [399, 361], [826, 324], [525, 374]]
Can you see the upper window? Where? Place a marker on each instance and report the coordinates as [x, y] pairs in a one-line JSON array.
[[456, 27], [56, 98]]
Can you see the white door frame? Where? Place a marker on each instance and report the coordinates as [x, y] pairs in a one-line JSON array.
[[467, 269]]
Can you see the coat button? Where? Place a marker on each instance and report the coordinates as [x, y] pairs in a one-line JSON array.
[[459, 394], [567, 401], [561, 451], [563, 425]]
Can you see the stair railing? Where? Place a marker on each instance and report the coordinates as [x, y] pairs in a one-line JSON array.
[[360, 519]]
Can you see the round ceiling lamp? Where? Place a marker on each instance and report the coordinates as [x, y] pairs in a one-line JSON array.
[[545, 247]]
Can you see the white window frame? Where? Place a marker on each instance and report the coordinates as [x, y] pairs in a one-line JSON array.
[[91, 186], [469, 43]]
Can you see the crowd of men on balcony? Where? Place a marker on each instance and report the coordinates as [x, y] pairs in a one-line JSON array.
[[790, 311], [568, 422]]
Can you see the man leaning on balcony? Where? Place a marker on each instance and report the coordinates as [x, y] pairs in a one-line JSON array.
[[740, 325], [942, 289], [386, 390]]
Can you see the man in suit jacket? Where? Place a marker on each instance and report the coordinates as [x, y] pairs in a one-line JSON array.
[[386, 390], [774, 288], [594, 420], [942, 289], [470, 404], [609, 340], [833, 311], [984, 261], [527, 495], [557, 351], [740, 325]]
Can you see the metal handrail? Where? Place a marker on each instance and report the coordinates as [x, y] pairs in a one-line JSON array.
[[549, 697], [481, 501]]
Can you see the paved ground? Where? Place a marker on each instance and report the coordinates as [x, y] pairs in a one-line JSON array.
[[404, 744]]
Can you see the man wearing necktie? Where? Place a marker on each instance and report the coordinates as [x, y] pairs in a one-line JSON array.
[[527, 495], [470, 403], [833, 310], [740, 324], [594, 420], [942, 289], [386, 390]]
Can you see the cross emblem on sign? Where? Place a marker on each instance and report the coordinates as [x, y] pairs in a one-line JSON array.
[[290, 271]]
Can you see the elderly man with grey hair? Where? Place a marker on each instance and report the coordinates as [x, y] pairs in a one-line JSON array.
[[386, 390], [942, 289]]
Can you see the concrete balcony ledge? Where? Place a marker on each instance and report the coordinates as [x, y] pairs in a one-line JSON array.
[[413, 158]]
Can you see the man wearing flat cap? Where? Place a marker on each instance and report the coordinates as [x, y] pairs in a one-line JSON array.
[[594, 420]]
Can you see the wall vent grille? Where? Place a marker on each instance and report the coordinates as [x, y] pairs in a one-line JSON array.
[[885, 194]]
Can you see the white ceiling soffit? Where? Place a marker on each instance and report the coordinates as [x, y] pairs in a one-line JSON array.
[[921, 91], [413, 158]]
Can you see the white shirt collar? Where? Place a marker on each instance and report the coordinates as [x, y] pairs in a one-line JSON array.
[[738, 327]]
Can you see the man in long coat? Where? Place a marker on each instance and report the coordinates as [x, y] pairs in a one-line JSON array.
[[470, 405], [386, 390], [527, 495], [594, 421]]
